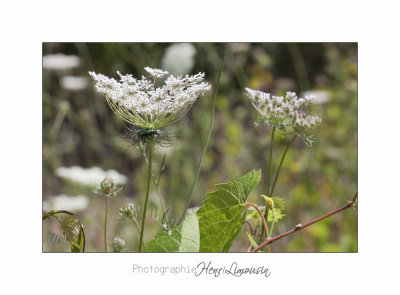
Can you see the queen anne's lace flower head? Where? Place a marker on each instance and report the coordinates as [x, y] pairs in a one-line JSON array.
[[285, 112], [140, 103]]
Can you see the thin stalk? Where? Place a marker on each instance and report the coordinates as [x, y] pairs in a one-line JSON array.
[[272, 223], [280, 165], [105, 226], [349, 204], [269, 172], [156, 184], [299, 65], [189, 198], [260, 213], [137, 225], [147, 195]]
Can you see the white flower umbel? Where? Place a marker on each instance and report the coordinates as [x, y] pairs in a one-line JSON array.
[[140, 103], [64, 202], [285, 112], [60, 61], [73, 83]]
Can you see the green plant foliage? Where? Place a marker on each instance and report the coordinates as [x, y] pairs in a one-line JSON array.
[[252, 214], [79, 243], [165, 242], [190, 234], [278, 215], [70, 227], [279, 203], [221, 216], [186, 239]]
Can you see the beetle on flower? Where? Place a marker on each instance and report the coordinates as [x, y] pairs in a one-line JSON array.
[[149, 108]]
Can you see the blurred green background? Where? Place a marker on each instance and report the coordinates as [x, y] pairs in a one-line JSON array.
[[79, 129]]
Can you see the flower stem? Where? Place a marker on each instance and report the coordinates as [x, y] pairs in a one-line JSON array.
[[269, 175], [261, 215], [270, 161], [147, 195], [105, 226], [280, 165], [272, 224], [189, 198]]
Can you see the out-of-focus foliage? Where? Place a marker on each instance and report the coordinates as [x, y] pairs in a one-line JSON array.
[[79, 129]]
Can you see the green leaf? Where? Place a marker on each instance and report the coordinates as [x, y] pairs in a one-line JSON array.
[[165, 242], [186, 239], [279, 203], [221, 215], [252, 214], [278, 215], [190, 234], [70, 227], [78, 244]]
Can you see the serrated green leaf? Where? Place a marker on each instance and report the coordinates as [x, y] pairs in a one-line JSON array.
[[186, 239], [221, 215], [190, 241], [71, 227], [165, 242]]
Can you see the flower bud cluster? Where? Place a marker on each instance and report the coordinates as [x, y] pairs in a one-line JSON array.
[[128, 212], [108, 188]]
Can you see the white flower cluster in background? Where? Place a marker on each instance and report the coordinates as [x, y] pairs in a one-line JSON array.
[[90, 176], [178, 58], [284, 111], [64, 202], [320, 96], [60, 61], [73, 83], [139, 102]]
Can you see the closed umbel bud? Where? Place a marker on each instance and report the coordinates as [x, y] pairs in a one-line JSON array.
[[107, 185]]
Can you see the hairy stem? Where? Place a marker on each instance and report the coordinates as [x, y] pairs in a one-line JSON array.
[[147, 195], [261, 215], [349, 204], [189, 198], [105, 226], [280, 165]]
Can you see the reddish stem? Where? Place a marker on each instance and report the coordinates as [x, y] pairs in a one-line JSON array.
[[261, 214], [301, 226]]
